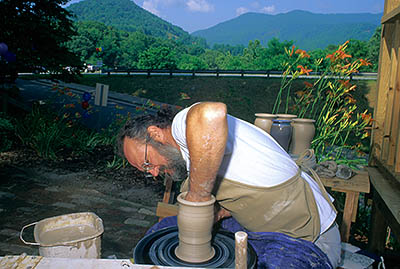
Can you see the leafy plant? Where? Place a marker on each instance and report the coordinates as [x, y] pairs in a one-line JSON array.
[[6, 132], [328, 100], [50, 133]]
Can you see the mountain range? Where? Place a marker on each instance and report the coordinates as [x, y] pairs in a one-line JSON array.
[[307, 30]]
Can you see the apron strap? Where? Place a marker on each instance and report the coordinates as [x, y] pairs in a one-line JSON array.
[[304, 159]]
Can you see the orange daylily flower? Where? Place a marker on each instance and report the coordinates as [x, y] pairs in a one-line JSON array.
[[291, 51], [308, 84], [303, 53], [331, 57], [364, 62], [367, 118], [69, 105], [350, 100], [304, 70], [345, 83], [184, 96], [300, 93], [343, 55]]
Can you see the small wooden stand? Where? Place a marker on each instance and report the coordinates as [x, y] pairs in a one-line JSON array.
[[352, 188]]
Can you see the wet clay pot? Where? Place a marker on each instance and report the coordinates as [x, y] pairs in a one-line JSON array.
[[264, 121], [303, 131], [285, 116], [281, 131], [195, 222]]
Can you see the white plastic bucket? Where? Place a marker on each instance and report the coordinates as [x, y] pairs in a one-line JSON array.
[[76, 235]]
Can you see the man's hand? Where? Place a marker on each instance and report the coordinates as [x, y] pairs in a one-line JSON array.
[[206, 134], [221, 214]]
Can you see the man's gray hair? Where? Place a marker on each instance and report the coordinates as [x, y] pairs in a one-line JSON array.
[[136, 128]]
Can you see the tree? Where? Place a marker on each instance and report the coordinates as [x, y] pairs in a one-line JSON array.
[[158, 58], [374, 45], [36, 32], [190, 62]]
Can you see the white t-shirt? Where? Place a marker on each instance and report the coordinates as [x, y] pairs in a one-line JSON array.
[[253, 157]]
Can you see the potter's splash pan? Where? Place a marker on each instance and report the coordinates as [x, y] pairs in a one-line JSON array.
[[158, 248]]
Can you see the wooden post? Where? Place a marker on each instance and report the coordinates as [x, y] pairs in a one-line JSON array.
[[377, 234], [241, 250], [351, 198]]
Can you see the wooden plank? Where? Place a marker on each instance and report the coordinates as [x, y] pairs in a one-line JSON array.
[[70, 263], [358, 183], [387, 134], [383, 88], [394, 80], [166, 210], [355, 208], [351, 196], [389, 191], [377, 233], [391, 16], [397, 161], [168, 188]]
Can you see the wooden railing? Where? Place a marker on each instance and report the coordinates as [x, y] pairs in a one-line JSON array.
[[218, 73]]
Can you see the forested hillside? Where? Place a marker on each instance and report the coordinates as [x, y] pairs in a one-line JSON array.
[[307, 30], [120, 34], [126, 15]]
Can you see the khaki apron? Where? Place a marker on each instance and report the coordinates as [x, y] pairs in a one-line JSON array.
[[288, 208]]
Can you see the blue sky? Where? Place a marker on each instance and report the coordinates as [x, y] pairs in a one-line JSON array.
[[192, 15]]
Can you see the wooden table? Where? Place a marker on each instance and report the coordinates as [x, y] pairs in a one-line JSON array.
[[352, 188]]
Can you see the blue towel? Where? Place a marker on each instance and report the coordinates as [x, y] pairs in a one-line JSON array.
[[274, 250]]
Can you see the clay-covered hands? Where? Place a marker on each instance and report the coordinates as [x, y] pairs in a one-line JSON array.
[[221, 214]]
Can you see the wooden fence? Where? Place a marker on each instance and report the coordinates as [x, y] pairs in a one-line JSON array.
[[384, 167]]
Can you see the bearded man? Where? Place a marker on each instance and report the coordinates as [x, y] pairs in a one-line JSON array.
[[253, 179]]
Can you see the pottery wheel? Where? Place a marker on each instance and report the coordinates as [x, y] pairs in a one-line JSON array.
[[158, 248]]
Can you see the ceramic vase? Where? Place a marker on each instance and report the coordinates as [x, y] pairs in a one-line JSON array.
[[285, 116], [264, 121], [302, 134], [281, 131], [195, 222]]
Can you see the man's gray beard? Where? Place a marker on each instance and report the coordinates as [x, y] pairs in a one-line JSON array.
[[175, 161]]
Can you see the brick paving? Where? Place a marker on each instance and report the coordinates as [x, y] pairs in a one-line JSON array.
[[30, 195]]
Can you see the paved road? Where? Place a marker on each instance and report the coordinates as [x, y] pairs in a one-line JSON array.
[[45, 91]]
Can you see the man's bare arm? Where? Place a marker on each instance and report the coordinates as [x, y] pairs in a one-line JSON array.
[[206, 134]]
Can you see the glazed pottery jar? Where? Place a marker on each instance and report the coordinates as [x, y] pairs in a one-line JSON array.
[[264, 121], [281, 131], [195, 222], [302, 134]]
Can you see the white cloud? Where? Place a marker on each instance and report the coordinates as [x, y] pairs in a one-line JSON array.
[[151, 6], [255, 5], [199, 6], [241, 10], [268, 9]]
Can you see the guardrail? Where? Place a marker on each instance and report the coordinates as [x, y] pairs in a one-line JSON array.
[[218, 73]]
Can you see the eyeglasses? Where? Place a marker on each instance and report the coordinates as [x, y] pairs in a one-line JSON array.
[[147, 166]]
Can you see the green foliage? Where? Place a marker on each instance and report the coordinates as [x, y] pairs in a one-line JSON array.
[[373, 48], [158, 58], [49, 134], [6, 132], [127, 16], [327, 99], [36, 32], [190, 62]]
